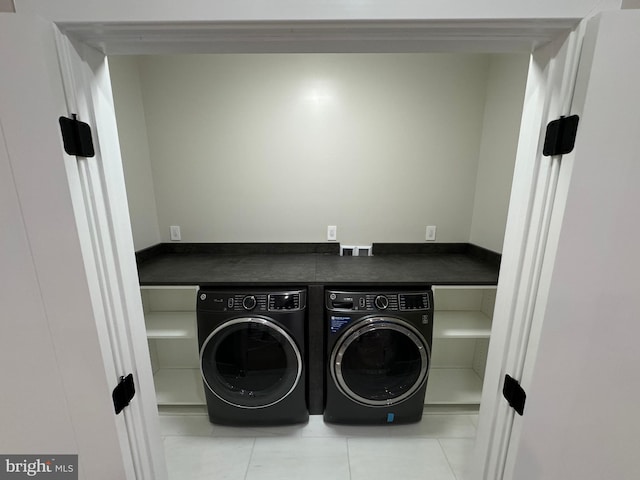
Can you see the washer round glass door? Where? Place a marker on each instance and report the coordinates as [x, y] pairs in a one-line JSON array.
[[380, 361], [250, 363]]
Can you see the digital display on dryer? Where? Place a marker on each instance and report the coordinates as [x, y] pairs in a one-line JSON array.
[[284, 302], [418, 301]]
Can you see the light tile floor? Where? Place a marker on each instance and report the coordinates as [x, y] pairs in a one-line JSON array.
[[437, 448]]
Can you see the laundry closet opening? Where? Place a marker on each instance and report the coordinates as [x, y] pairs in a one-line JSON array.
[[273, 148]]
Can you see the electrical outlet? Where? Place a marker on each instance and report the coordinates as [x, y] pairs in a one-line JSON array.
[[332, 232], [175, 233], [431, 233]]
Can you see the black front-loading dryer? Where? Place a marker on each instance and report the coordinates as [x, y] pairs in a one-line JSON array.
[[378, 355], [252, 355]]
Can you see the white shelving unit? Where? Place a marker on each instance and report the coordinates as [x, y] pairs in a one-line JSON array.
[[454, 386], [462, 327], [170, 318], [179, 386], [170, 325], [461, 331], [461, 324]]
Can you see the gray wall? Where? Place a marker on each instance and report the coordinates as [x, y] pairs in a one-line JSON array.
[[500, 130], [134, 146], [268, 148]]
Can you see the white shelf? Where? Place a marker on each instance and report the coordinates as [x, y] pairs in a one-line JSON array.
[[461, 324], [170, 324], [453, 386], [179, 386]]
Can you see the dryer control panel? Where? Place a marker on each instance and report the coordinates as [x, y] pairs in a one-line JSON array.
[[249, 301], [383, 301]]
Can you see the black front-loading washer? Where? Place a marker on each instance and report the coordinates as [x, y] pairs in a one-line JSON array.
[[378, 355], [252, 355]]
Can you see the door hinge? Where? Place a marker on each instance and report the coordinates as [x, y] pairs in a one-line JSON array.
[[123, 393], [76, 137], [514, 393], [561, 136]]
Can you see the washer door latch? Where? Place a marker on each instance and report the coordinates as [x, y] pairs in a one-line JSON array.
[[123, 393], [514, 393]]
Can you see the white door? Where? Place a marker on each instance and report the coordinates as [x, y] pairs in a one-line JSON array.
[[580, 374], [65, 244]]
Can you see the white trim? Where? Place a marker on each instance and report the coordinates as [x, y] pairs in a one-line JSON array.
[[533, 201], [32, 94], [150, 11], [579, 66], [108, 253], [539, 109], [380, 36]]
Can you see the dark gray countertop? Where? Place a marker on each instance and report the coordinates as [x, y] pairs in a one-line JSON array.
[[461, 264]]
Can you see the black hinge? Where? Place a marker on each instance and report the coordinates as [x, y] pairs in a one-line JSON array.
[[561, 136], [123, 393], [76, 136], [514, 393]]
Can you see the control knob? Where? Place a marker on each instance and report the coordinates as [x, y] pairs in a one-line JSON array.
[[381, 302], [249, 302]]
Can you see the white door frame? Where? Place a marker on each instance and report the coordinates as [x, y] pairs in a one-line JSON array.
[[57, 230], [84, 70], [538, 194], [108, 249], [584, 382]]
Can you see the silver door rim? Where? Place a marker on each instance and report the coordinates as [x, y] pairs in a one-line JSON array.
[[266, 323], [368, 325]]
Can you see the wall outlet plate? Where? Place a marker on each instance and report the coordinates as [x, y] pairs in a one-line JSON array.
[[431, 233], [332, 233], [175, 233]]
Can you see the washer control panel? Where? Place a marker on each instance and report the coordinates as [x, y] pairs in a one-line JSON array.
[[217, 301], [377, 301]]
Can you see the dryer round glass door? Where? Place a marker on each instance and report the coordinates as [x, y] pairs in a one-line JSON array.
[[380, 361], [250, 363]]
